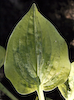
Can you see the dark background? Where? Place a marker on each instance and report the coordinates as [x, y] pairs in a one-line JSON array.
[[59, 12]]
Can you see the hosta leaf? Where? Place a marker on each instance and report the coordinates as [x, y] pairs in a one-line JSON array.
[[2, 56], [67, 89], [36, 56]]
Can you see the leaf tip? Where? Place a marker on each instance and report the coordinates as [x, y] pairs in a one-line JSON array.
[[34, 5]]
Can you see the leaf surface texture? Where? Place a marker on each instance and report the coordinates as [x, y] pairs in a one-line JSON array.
[[36, 56]]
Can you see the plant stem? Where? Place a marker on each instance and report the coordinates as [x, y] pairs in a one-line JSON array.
[[40, 93], [8, 93]]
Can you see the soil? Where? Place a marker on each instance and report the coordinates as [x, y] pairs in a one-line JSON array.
[[59, 12]]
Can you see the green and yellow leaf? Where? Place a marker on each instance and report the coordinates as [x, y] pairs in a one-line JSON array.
[[36, 56]]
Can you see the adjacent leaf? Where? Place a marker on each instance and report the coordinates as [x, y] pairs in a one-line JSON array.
[[2, 56], [67, 89], [36, 56]]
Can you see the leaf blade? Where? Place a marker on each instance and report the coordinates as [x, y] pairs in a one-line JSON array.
[[36, 55]]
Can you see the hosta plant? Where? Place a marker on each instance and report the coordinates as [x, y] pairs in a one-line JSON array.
[[36, 56]]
